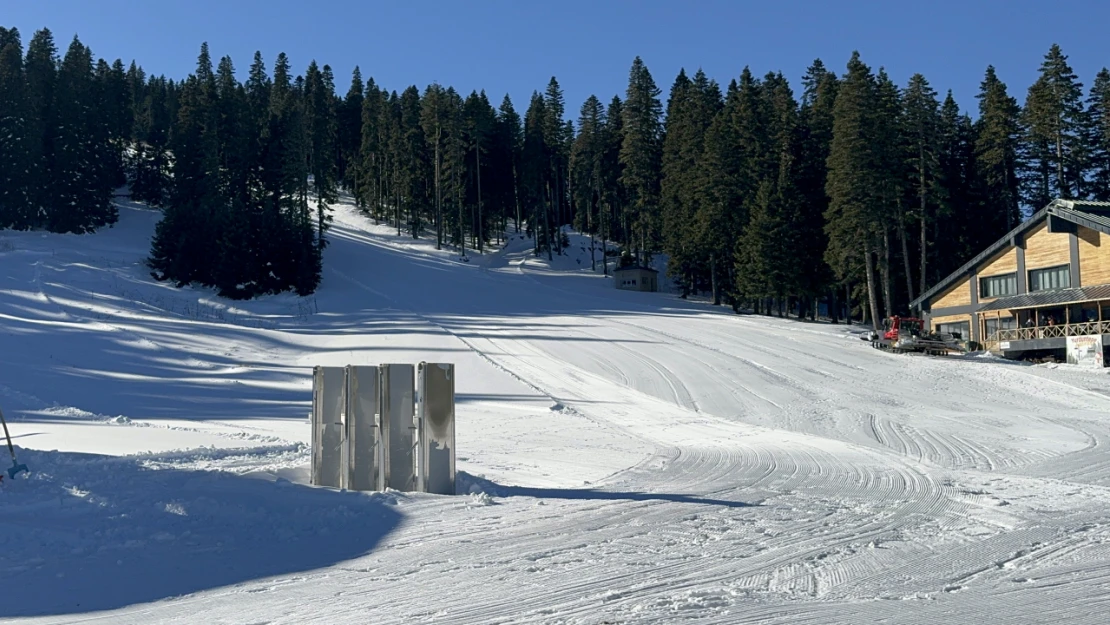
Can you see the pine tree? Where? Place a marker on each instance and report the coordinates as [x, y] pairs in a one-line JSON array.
[[183, 249], [349, 133], [536, 174], [690, 112], [891, 182], [17, 209], [613, 226], [852, 179], [117, 115], [555, 140], [765, 266], [816, 123], [962, 229], [236, 271], [715, 223], [1098, 135], [510, 141], [921, 121], [1055, 120], [433, 119], [370, 157], [412, 162], [586, 162], [320, 117], [479, 120], [41, 71], [455, 169], [641, 154], [82, 192], [997, 150], [675, 214], [149, 166]]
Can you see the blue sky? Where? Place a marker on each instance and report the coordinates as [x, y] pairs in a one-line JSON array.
[[515, 46]]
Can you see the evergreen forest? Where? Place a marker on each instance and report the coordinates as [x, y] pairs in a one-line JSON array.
[[848, 193]]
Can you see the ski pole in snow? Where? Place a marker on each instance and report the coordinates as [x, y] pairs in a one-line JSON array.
[[16, 467]]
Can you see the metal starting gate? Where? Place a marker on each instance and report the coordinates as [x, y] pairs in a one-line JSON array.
[[389, 426]]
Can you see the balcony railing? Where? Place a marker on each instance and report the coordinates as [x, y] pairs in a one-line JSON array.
[[1086, 328]]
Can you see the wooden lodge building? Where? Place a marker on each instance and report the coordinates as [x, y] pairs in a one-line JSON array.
[[1044, 281]]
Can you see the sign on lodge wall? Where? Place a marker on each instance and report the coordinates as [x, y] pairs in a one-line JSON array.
[[1085, 350]]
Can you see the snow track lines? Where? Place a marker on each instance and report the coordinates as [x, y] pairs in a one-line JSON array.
[[647, 460]]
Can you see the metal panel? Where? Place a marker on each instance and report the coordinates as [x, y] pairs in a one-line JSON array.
[[1073, 259], [1022, 277], [953, 310], [436, 462], [363, 441], [328, 395], [398, 427], [975, 304]]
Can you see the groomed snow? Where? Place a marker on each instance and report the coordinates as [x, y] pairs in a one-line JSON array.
[[624, 457]]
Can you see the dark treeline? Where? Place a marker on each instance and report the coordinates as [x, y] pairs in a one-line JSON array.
[[854, 192]]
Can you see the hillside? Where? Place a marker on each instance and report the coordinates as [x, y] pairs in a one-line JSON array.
[[624, 456]]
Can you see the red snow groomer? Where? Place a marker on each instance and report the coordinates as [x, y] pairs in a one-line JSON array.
[[908, 334]]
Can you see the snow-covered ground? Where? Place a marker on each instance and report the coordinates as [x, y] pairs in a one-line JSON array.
[[624, 457]]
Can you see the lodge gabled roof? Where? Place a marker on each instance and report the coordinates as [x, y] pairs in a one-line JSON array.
[[1086, 213]]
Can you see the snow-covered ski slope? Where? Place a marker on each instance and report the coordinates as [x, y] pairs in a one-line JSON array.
[[624, 457]]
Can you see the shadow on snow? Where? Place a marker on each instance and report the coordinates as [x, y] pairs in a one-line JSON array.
[[86, 532], [470, 484]]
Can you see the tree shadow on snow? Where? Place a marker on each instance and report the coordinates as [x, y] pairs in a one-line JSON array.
[[470, 484], [86, 532]]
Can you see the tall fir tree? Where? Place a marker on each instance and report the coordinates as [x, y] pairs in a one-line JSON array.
[[17, 208], [1098, 135], [960, 230], [613, 225], [41, 70], [890, 185], [510, 141], [690, 111], [816, 121], [349, 134], [555, 139], [412, 161], [641, 154], [851, 184], [434, 121], [997, 151], [767, 270], [81, 199], [586, 162], [716, 219], [149, 167], [1055, 119], [921, 129], [322, 125], [536, 175], [183, 248], [236, 270], [370, 157]]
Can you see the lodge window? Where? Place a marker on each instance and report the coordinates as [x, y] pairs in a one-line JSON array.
[[998, 286], [995, 324], [960, 329], [1051, 278]]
